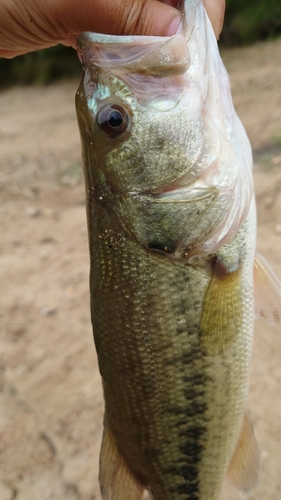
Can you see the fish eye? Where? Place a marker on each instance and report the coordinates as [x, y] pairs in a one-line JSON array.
[[113, 119]]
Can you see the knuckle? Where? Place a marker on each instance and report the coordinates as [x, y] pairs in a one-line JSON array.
[[136, 19]]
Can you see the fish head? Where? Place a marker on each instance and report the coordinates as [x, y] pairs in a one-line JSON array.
[[158, 129], [142, 110]]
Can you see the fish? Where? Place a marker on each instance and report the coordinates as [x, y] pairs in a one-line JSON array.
[[174, 274]]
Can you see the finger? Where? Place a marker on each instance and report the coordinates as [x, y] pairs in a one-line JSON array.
[[215, 10], [133, 17], [35, 24], [70, 42], [172, 3]]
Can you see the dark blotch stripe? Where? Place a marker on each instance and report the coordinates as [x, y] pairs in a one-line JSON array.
[[192, 424]]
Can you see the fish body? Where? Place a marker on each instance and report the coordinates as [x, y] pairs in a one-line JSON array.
[[171, 219]]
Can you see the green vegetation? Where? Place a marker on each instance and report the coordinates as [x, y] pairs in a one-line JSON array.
[[250, 21], [41, 67], [245, 22]]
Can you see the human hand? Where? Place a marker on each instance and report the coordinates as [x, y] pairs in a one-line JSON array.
[[28, 25]]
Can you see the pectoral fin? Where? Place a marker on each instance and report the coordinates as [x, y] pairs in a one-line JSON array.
[[116, 480], [245, 466], [267, 292], [222, 312]]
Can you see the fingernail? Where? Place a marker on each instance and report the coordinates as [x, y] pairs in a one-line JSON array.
[[174, 26]]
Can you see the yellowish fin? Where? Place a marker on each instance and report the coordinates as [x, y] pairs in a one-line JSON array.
[[267, 292], [245, 466], [116, 480], [221, 315]]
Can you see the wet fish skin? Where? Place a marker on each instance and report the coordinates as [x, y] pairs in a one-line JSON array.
[[174, 411], [171, 266]]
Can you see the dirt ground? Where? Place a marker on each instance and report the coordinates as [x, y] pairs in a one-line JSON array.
[[51, 403]]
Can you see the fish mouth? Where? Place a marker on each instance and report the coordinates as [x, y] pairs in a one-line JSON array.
[[154, 68], [152, 55]]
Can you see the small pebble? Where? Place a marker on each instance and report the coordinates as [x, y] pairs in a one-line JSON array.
[[49, 213], [47, 240], [45, 311], [33, 212]]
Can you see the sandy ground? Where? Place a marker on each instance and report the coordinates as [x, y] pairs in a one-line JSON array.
[[50, 393]]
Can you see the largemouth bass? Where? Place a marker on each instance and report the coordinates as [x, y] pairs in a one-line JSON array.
[[172, 231]]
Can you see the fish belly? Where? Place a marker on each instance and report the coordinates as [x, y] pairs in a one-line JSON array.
[[174, 407]]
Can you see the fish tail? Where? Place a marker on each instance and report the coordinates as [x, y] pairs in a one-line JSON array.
[[117, 482]]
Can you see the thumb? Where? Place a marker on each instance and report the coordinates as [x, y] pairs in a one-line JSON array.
[[133, 17], [149, 18]]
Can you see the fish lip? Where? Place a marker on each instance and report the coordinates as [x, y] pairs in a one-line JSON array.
[[91, 37]]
